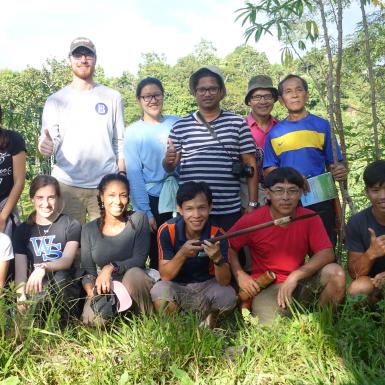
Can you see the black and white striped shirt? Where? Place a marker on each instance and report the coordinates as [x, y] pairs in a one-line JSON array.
[[205, 159]]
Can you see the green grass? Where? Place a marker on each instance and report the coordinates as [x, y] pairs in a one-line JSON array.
[[310, 348]]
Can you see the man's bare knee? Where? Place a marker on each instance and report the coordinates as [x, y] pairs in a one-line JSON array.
[[165, 307], [361, 285], [333, 277]]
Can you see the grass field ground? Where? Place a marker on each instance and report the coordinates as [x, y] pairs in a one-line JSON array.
[[310, 348]]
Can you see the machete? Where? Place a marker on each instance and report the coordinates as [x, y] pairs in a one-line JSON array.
[[275, 222]]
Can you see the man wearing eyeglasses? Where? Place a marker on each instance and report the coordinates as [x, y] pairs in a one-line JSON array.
[[82, 126], [208, 146], [282, 249], [260, 97]]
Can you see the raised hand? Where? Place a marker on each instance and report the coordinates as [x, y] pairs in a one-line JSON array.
[[46, 145], [377, 245], [170, 159]]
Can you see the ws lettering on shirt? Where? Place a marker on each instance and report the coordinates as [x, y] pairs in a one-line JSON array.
[[46, 243], [305, 145]]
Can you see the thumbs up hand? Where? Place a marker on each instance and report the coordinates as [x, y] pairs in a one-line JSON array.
[[46, 145], [170, 159], [377, 245]]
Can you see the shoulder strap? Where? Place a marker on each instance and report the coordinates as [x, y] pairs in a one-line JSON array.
[[171, 230], [203, 121]]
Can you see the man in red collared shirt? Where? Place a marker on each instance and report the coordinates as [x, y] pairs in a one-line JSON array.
[[260, 96]]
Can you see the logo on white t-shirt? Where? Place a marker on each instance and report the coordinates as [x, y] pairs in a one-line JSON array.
[[101, 108]]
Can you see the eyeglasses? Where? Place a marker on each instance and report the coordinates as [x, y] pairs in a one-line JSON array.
[[148, 98], [79, 55], [280, 192], [201, 91], [258, 98]]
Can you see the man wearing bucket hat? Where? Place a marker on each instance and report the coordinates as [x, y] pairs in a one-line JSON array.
[[82, 126], [260, 97], [214, 146]]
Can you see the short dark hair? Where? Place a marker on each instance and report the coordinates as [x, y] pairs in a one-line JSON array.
[[292, 76], [147, 81], [205, 72], [190, 190], [374, 173], [282, 175]]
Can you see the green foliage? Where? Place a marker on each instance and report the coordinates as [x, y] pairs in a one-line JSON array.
[[23, 94], [310, 348]]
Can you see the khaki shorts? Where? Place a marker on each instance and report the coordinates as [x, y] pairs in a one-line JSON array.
[[265, 305], [80, 203], [202, 297]]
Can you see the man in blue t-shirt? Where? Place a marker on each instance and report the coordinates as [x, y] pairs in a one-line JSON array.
[[193, 277], [303, 141], [365, 238]]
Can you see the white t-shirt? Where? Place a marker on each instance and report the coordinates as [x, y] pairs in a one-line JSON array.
[[87, 129], [6, 251]]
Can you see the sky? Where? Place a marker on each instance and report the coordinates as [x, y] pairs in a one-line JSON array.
[[33, 31]]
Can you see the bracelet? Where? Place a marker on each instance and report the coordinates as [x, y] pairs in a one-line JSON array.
[[254, 204], [122, 172], [39, 266]]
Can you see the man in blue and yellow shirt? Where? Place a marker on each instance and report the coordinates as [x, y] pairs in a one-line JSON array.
[[303, 141]]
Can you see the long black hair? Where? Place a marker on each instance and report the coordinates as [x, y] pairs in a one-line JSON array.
[[106, 180], [4, 137]]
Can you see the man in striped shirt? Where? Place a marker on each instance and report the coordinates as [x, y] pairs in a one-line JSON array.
[[207, 143]]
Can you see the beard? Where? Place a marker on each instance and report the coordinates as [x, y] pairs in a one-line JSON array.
[[83, 72]]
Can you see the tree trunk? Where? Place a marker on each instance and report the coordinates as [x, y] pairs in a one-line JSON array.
[[333, 107], [371, 80]]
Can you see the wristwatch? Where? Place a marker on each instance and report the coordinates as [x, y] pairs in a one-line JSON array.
[[254, 204], [115, 267], [219, 262]]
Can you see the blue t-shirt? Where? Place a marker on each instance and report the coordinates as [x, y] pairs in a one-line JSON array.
[[145, 145], [304, 144], [172, 236]]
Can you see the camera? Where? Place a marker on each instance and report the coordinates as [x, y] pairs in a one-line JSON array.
[[242, 170]]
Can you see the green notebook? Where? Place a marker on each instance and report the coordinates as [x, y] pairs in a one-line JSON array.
[[322, 188]]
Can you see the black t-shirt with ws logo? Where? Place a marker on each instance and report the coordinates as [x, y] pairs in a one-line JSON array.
[[45, 243]]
